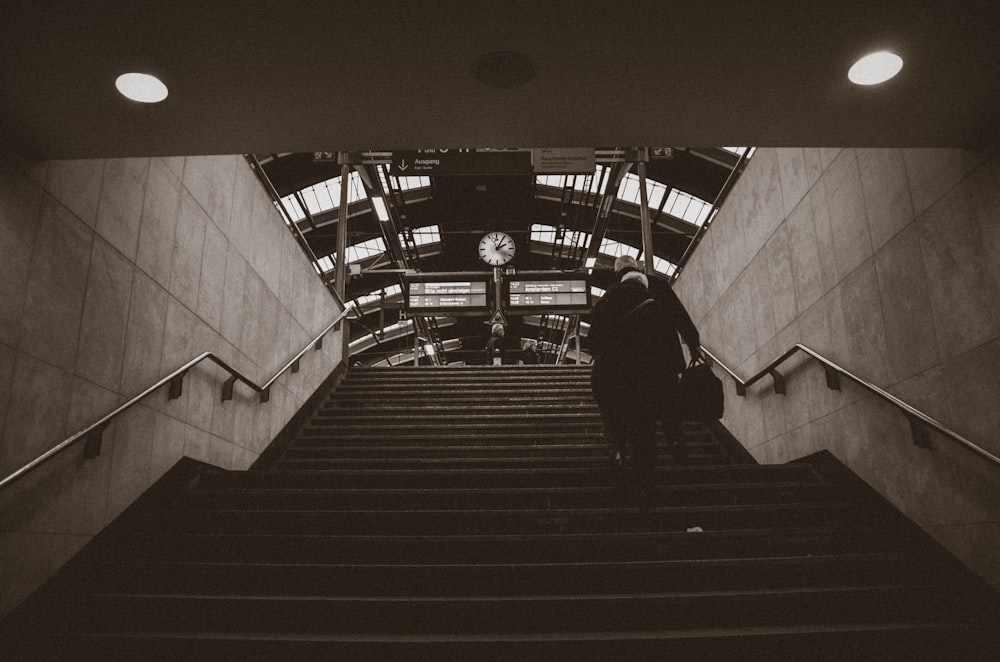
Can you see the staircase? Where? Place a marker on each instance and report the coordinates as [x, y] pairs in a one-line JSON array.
[[470, 513]]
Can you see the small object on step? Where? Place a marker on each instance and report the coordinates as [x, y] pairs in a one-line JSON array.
[[695, 529]]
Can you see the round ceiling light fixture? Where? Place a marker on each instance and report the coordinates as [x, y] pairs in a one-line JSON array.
[[141, 87], [503, 70], [875, 68]]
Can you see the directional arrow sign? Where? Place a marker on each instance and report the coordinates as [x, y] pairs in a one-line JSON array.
[[424, 162]]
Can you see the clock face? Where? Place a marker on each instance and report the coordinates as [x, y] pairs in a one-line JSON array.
[[496, 249]]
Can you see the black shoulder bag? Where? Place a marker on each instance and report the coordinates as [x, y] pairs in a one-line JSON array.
[[701, 394]]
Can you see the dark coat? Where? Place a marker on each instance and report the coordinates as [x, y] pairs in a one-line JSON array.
[[659, 327], [632, 353]]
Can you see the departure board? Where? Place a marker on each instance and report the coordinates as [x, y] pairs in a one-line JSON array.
[[548, 292], [450, 294]]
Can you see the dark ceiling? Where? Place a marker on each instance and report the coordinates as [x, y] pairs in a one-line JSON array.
[[280, 80]]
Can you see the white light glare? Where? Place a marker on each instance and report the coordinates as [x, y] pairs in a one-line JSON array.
[[591, 261], [141, 87], [380, 209], [875, 68]]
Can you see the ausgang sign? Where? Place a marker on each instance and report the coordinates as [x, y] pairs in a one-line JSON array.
[[424, 162]]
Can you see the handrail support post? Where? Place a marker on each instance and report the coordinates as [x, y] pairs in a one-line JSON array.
[[177, 386], [295, 366], [227, 388], [832, 378], [779, 381], [265, 394], [93, 442], [921, 437], [319, 343], [741, 389]]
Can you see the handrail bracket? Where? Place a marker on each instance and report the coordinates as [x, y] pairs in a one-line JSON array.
[[227, 388], [779, 381], [832, 378], [93, 442], [921, 437], [177, 385]]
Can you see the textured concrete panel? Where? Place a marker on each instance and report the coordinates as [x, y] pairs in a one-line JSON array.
[[848, 219], [189, 245], [241, 223], [253, 294], [53, 306], [806, 275], [887, 193], [794, 179], [231, 323], [828, 263], [168, 445], [863, 323], [931, 174], [130, 463], [83, 484], [965, 313], [909, 326], [213, 276], [211, 181], [815, 331], [105, 317], [779, 262], [984, 187], [20, 206], [827, 155], [7, 357], [972, 383], [144, 335], [119, 212], [759, 284], [77, 186], [813, 165], [161, 206], [36, 418]]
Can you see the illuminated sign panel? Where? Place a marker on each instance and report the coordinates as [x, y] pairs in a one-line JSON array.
[[448, 294], [547, 291]]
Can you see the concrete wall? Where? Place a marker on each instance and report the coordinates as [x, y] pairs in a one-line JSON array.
[[886, 261], [112, 274]]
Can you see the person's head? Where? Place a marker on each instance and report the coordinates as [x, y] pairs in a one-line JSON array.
[[636, 276], [625, 264], [497, 329]]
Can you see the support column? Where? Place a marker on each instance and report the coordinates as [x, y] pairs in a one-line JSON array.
[[340, 268], [647, 229]]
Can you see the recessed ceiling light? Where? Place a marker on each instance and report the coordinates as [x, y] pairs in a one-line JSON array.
[[141, 87], [875, 68]]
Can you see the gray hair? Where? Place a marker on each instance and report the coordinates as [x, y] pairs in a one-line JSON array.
[[626, 262], [635, 275]]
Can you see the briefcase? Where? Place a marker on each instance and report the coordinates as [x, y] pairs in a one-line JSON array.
[[701, 394]]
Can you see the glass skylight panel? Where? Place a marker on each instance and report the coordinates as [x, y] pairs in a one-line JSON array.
[[543, 233], [687, 207], [410, 183], [664, 267], [326, 263], [429, 234], [365, 250], [738, 151], [325, 196], [614, 248], [375, 296], [582, 183], [629, 191]]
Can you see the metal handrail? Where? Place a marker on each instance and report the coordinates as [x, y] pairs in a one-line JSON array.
[[92, 433], [919, 421]]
